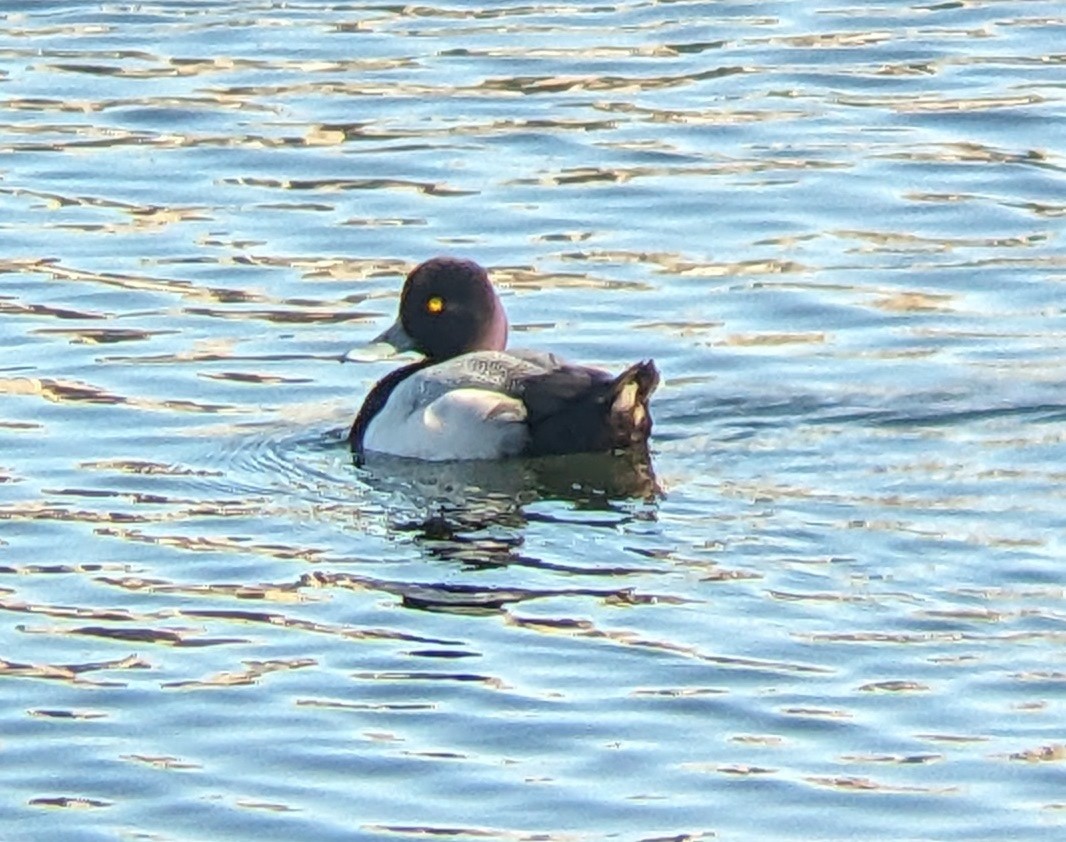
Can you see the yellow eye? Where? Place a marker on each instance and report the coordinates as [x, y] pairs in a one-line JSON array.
[[435, 305]]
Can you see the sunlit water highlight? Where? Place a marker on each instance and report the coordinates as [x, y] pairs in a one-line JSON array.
[[831, 608]]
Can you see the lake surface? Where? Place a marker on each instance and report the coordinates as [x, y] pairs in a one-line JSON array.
[[834, 609]]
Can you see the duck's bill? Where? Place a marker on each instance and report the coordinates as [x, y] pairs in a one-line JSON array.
[[393, 341], [371, 352]]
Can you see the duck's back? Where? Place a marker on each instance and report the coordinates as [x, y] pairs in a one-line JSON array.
[[493, 404]]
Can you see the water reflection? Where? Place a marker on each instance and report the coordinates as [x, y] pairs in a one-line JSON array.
[[474, 512], [837, 230]]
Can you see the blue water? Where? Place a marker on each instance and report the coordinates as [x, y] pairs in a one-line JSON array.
[[833, 610]]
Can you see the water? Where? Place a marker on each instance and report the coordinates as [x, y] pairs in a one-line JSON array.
[[833, 609]]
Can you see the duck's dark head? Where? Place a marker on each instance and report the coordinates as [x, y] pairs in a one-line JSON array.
[[448, 307]]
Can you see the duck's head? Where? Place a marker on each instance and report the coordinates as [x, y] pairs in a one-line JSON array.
[[448, 307]]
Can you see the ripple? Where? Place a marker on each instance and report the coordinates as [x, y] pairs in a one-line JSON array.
[[836, 578]]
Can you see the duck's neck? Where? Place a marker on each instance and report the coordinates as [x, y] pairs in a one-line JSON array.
[[496, 336]]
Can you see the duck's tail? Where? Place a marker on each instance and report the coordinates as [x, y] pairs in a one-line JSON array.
[[628, 420], [573, 409]]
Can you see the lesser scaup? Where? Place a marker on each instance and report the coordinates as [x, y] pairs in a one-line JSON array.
[[470, 399]]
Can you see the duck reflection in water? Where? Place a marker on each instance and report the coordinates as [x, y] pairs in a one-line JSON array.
[[475, 512]]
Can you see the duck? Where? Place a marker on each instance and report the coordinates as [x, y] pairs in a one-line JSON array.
[[469, 397]]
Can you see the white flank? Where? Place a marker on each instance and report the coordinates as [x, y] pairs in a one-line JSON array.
[[461, 424]]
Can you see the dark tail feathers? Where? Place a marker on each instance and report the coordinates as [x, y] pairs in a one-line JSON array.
[[628, 419], [580, 410]]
